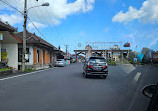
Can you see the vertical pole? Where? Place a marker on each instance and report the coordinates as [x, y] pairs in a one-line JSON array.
[[112, 55], [66, 49], [76, 56], [24, 36], [122, 56], [107, 55], [128, 54]]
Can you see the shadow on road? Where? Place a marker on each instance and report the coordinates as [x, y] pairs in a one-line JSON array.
[[133, 83]]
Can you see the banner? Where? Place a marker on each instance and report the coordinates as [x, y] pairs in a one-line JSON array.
[[3, 55]]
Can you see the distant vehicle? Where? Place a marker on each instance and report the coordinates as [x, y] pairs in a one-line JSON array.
[[151, 91], [150, 57], [95, 66], [60, 62]]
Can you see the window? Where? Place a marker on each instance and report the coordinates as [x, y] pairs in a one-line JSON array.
[[38, 56], [20, 51], [3, 50]]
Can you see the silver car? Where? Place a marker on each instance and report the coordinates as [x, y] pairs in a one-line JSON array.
[[60, 62]]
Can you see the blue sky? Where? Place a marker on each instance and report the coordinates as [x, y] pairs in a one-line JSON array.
[[82, 21]]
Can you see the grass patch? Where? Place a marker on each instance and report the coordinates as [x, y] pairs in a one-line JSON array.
[[29, 70], [113, 63], [5, 69]]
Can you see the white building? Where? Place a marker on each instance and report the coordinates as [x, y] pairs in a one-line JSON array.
[[8, 46]]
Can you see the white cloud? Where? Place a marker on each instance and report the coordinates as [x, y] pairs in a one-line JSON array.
[[11, 19], [58, 9], [37, 24], [148, 13], [62, 49]]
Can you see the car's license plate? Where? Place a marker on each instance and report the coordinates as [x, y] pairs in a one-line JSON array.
[[97, 68]]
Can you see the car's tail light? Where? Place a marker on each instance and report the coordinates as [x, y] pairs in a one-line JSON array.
[[104, 67], [89, 66]]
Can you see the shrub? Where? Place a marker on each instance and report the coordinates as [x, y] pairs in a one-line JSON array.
[[113, 63], [29, 70], [5, 69]]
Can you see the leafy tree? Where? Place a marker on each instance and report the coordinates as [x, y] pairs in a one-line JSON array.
[[131, 56], [144, 50], [120, 56]]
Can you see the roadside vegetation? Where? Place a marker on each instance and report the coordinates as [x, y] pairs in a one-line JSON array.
[[5, 69], [29, 70], [113, 63]]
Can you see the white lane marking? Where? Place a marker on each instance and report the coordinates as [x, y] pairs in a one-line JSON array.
[[137, 76], [23, 74], [127, 68]]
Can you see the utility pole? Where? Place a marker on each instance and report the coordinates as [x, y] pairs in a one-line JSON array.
[[66, 48], [24, 32], [24, 36]]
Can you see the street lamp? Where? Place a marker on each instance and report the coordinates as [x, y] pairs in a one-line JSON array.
[[44, 4], [24, 32]]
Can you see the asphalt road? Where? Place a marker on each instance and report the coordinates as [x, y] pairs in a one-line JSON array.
[[66, 89]]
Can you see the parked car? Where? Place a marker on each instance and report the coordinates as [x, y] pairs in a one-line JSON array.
[[95, 66], [60, 62], [151, 91]]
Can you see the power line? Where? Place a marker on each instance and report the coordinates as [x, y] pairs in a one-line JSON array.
[[57, 32], [5, 2], [35, 27], [43, 16], [39, 19], [50, 29]]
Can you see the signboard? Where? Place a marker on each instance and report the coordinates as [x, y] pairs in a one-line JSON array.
[[140, 56], [135, 59], [3, 55], [89, 48], [27, 56], [127, 44], [1, 36]]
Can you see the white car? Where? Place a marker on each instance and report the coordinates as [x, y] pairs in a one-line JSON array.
[[60, 62]]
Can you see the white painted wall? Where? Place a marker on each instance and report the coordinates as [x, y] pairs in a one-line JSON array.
[[55, 57], [31, 55], [12, 53], [42, 56]]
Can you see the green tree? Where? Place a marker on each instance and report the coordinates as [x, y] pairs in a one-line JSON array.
[[131, 55], [144, 50]]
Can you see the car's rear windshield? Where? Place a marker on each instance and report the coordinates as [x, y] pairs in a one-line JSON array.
[[94, 60], [59, 60]]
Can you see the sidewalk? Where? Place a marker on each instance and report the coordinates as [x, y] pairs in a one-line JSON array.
[[18, 72]]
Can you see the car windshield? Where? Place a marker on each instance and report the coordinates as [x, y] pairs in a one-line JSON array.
[[78, 55], [59, 60], [97, 60]]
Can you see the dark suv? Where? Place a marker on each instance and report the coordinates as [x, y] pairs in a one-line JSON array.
[[95, 66]]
